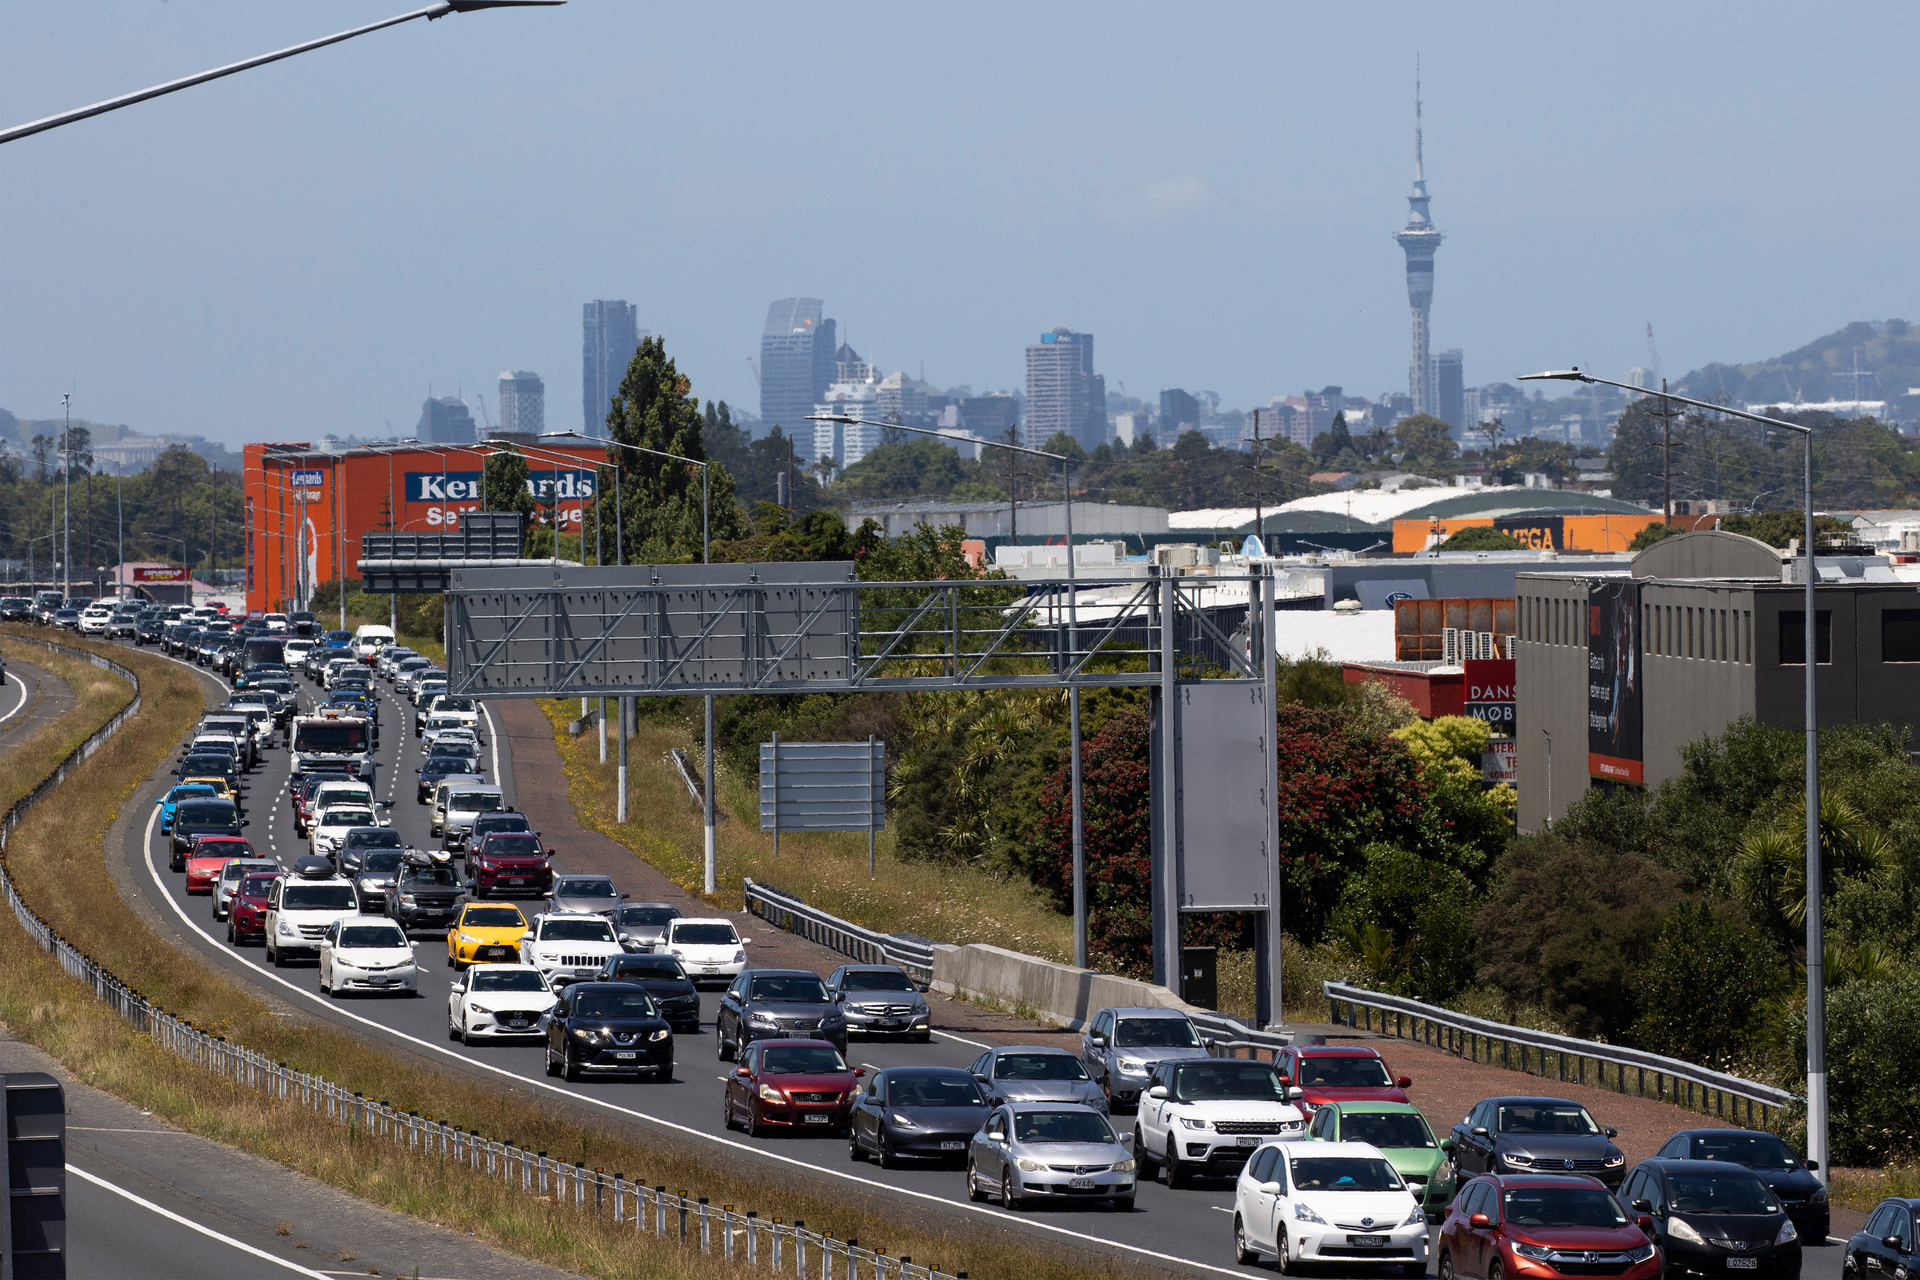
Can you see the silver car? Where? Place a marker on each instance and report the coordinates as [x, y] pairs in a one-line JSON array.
[[642, 926], [880, 999], [1035, 1073], [1121, 1048], [584, 895], [1028, 1152]]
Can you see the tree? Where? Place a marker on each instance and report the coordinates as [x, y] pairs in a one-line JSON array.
[[661, 499], [1778, 528], [1653, 533], [1492, 429], [1334, 441], [1117, 839], [1482, 537], [1701, 949], [1426, 440], [504, 485]]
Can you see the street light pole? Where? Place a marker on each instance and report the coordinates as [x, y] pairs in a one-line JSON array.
[[66, 501], [1816, 935]]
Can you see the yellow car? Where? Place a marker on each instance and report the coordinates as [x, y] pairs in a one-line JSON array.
[[485, 932], [219, 785]]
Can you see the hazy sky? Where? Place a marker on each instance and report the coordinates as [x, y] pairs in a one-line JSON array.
[[1210, 190]]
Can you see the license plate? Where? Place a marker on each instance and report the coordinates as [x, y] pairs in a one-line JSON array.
[[1367, 1242], [384, 982], [1249, 1141], [1743, 1264], [815, 1119], [712, 968], [625, 1057], [1081, 1184], [953, 1146], [518, 880]]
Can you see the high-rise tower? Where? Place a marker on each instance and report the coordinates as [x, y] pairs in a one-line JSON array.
[[1420, 239]]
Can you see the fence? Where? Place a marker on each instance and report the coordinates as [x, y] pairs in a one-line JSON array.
[[1564, 1057], [653, 1210], [784, 911]]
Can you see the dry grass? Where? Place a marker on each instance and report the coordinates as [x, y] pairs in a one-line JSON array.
[[56, 855], [1862, 1189]]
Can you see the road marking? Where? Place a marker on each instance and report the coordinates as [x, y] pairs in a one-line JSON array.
[[191, 1225], [1219, 1208], [947, 1035], [20, 702]]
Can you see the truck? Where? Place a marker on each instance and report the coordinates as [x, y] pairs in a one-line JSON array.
[[333, 742]]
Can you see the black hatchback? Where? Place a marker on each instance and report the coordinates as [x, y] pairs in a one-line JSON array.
[[1786, 1175], [200, 816], [925, 1113], [608, 1028], [1888, 1243], [1713, 1219], [665, 981]]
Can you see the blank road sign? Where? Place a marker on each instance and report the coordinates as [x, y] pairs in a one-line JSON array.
[[823, 786]]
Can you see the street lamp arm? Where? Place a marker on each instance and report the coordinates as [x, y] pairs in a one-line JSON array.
[[437, 10], [1577, 375], [937, 435], [658, 453]]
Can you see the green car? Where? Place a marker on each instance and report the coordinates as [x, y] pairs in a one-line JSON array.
[[1404, 1138]]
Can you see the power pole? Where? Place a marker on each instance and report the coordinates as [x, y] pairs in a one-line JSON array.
[[1259, 518], [1666, 456], [1013, 489]]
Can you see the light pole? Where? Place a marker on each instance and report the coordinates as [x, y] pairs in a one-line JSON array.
[[66, 501], [1816, 935]]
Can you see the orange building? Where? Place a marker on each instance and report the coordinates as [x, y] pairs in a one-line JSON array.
[[1543, 531], [306, 508]]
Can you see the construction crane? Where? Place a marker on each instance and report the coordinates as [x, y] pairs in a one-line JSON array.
[[485, 421], [756, 370]]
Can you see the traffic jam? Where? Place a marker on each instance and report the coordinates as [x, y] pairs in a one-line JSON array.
[[392, 848]]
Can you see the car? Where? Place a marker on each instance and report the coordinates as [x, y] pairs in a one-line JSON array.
[[453, 819], [1536, 1135], [247, 914], [665, 981], [1036, 1073], [445, 705], [147, 629], [568, 948], [15, 609], [776, 1004], [608, 1028], [363, 954], [436, 770], [1339, 1073], [300, 911], [790, 1086], [448, 729], [1307, 1202], [1403, 1136], [1887, 1243], [487, 823], [642, 926], [94, 619], [589, 895], [424, 692], [1206, 1116], [170, 801], [1787, 1175], [356, 844], [880, 999], [425, 894], [1710, 1217], [707, 948], [208, 854], [1545, 1226], [373, 872], [383, 665], [227, 884], [67, 619], [1032, 1151], [331, 824], [122, 625], [1121, 1046], [484, 933], [201, 815], [221, 770], [223, 785], [498, 1002], [509, 862], [915, 1113]]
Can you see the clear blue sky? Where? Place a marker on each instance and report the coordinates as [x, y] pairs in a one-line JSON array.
[[1210, 190]]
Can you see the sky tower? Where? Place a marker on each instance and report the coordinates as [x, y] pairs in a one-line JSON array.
[[1420, 239]]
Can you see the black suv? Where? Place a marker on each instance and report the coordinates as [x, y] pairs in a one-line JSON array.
[[200, 816], [666, 982], [422, 895], [608, 1028], [147, 628], [1711, 1218]]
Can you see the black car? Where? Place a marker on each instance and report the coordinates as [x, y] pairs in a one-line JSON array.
[[15, 609], [1714, 1219], [672, 991], [200, 816], [1786, 1175], [147, 629], [776, 1004], [1888, 1244], [922, 1113], [423, 895], [1536, 1135], [357, 842], [608, 1028], [437, 768]]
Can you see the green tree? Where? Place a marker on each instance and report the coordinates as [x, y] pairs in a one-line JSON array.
[[1651, 534], [1482, 537], [661, 499], [1426, 441], [1777, 528], [1334, 441], [1701, 949], [504, 484]]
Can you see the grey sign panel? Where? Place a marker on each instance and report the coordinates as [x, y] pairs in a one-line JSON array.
[[1225, 779], [823, 786]]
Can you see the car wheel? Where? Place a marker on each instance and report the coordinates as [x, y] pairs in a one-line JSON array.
[[325, 990], [726, 1112], [854, 1153], [273, 957], [232, 938], [454, 1032], [663, 1074], [1121, 1204], [721, 1048], [1495, 1271], [753, 1127], [974, 1193], [1446, 1264], [569, 1067], [1284, 1243], [1177, 1174], [1008, 1200], [1149, 1167], [888, 1160], [548, 1064], [1243, 1253]]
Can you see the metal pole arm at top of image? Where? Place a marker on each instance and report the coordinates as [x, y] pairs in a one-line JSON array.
[[1817, 1116], [706, 525]]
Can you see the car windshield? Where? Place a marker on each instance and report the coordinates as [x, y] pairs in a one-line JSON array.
[[1060, 1126], [237, 871], [1247, 1081], [372, 935], [428, 878], [220, 813], [1344, 1072], [332, 736], [1719, 1193], [515, 846], [647, 915], [474, 801], [382, 860], [1155, 1033], [933, 1091], [181, 793], [1546, 1117], [1344, 1173], [445, 764], [875, 980], [1562, 1207], [339, 816], [584, 887], [595, 930], [1396, 1129], [706, 935], [649, 967], [456, 749], [257, 886], [791, 988], [1755, 1150], [318, 897], [508, 980], [802, 1060], [374, 838], [614, 1004], [454, 704], [1038, 1066], [493, 918]]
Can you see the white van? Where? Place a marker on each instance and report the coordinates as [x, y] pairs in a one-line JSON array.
[[369, 640]]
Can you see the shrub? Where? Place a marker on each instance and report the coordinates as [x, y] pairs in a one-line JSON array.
[[1482, 537], [1701, 950], [1873, 1040]]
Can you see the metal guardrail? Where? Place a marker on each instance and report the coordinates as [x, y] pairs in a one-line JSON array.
[[1545, 1053], [784, 911], [741, 1237]]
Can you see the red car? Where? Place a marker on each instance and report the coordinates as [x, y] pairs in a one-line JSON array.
[[247, 920], [1543, 1227], [1339, 1073], [510, 863], [791, 1085], [207, 855]]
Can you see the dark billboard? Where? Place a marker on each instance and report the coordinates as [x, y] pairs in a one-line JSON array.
[[1613, 682]]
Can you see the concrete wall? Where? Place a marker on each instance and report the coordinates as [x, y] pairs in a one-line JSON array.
[[1698, 649], [1059, 993]]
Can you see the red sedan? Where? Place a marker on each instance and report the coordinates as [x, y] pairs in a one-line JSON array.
[[1543, 1227], [791, 1085], [247, 921], [1339, 1073], [208, 855]]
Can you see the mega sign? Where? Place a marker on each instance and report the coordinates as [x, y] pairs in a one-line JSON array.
[[464, 486]]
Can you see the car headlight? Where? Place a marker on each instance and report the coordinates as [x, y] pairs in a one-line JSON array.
[[1533, 1251], [1303, 1214], [1125, 1166], [1130, 1064], [1029, 1166], [762, 1020], [549, 957], [661, 1034], [1819, 1196], [1641, 1254], [369, 884], [901, 1121], [1680, 1229], [739, 957], [286, 928], [469, 939], [1191, 1123], [406, 899], [1615, 1160], [1445, 1172], [1787, 1234], [771, 1094], [1418, 1218], [1516, 1159]]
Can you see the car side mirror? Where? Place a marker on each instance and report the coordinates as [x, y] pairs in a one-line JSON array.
[[549, 853], [1126, 1139], [1405, 1082], [1158, 1091], [1296, 1093], [746, 942], [246, 822], [1811, 1164], [996, 1135], [1643, 1222], [859, 1071], [1893, 1242], [1612, 1132], [1272, 1188], [1643, 1206], [1479, 1131], [625, 896], [1479, 1220], [1098, 1042], [1446, 1144]]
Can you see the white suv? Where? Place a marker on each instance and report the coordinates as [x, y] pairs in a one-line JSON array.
[[1309, 1202], [94, 619], [300, 911], [708, 949], [569, 946], [1207, 1115]]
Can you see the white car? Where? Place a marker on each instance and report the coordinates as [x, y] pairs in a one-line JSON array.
[[497, 1001], [569, 946], [300, 911], [341, 791], [444, 705], [407, 682], [446, 729], [277, 622], [1337, 1202], [330, 826], [94, 619], [1208, 1115], [369, 640], [367, 953], [708, 948]]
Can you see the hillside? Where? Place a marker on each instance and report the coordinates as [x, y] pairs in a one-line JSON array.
[[1889, 356]]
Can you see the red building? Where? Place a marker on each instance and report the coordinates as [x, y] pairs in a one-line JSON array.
[[306, 508]]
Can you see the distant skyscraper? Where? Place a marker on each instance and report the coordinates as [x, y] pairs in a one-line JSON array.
[[445, 420], [609, 336], [523, 402], [1063, 391], [1177, 410], [797, 365], [1448, 388], [1420, 239]]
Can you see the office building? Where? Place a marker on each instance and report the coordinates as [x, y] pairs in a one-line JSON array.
[[1448, 389], [990, 416], [444, 420], [1178, 412], [523, 402], [1063, 391], [1420, 239], [797, 365], [609, 335]]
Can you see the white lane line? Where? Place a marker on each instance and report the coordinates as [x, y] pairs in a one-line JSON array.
[[191, 1225], [19, 702], [978, 1044], [688, 1131], [493, 733], [1218, 1208]]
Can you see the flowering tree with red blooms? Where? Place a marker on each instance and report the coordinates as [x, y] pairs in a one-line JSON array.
[[1118, 813]]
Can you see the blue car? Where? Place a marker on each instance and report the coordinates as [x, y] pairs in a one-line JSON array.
[[169, 801]]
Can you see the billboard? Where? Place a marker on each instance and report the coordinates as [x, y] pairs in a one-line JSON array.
[[464, 486], [1489, 692], [309, 479], [1614, 681], [1500, 762], [148, 573]]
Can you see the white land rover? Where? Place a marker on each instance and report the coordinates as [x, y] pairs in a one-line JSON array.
[[1207, 1115]]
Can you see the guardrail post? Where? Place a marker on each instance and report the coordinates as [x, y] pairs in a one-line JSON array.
[[726, 1231], [706, 1237], [776, 1245], [660, 1210], [799, 1247], [753, 1237], [681, 1207]]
